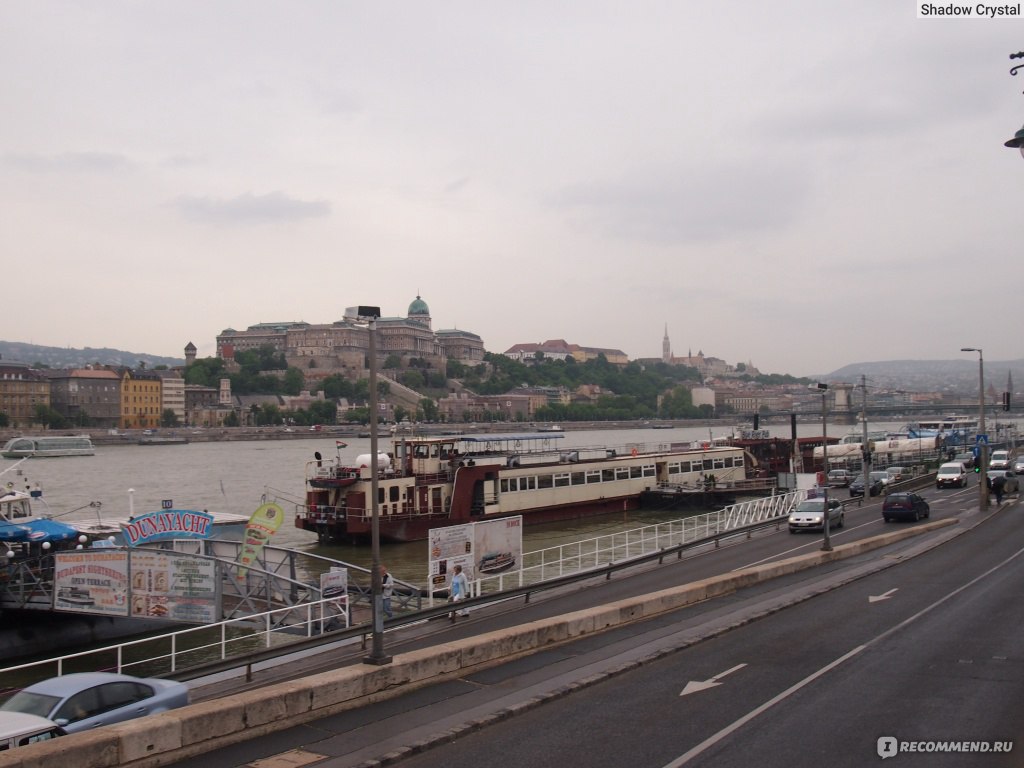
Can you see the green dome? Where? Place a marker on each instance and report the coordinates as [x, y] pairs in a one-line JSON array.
[[419, 307]]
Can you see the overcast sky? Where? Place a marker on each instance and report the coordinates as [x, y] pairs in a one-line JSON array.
[[797, 184]]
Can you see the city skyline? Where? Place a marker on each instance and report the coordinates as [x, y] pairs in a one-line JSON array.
[[591, 172]]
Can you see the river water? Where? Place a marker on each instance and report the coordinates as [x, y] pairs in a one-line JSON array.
[[236, 476]]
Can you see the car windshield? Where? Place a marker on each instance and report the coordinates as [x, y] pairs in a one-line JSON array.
[[879, 475], [811, 505], [31, 703], [950, 468]]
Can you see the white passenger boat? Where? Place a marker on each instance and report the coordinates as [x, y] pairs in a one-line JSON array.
[[48, 446]]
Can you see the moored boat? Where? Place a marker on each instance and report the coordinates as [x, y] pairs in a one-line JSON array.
[[435, 481], [48, 446]]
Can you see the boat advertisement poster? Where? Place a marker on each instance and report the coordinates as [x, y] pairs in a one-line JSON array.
[[262, 526], [174, 586], [138, 583], [92, 582], [167, 524], [480, 548], [334, 584]]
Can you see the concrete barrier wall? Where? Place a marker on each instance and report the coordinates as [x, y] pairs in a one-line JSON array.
[[198, 728]]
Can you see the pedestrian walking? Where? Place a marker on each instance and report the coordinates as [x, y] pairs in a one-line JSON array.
[[387, 588], [998, 485], [459, 591]]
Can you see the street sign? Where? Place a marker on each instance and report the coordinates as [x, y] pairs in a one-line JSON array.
[[981, 439]]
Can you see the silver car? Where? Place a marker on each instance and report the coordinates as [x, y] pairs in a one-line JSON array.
[[809, 515], [86, 700], [1010, 482]]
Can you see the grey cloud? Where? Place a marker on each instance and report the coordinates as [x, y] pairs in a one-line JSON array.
[[689, 205], [82, 162], [249, 208]]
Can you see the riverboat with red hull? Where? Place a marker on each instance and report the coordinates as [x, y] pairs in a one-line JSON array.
[[430, 482]]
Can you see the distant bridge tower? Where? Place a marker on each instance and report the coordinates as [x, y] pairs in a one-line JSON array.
[[843, 411]]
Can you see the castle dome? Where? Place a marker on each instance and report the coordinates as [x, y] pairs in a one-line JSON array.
[[419, 307]]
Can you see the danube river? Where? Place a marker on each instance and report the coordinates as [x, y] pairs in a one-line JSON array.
[[237, 476]]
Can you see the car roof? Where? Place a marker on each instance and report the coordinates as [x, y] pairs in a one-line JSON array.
[[61, 686]]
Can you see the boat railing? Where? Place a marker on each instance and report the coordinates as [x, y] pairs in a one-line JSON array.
[[601, 551]]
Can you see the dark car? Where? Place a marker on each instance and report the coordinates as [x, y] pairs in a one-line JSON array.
[[904, 506], [857, 487]]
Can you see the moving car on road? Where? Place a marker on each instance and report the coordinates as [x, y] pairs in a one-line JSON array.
[[904, 506], [86, 700], [952, 474], [839, 478], [875, 487], [1000, 460], [809, 515], [18, 729]]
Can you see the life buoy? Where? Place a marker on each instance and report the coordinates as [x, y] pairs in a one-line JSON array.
[[634, 452]]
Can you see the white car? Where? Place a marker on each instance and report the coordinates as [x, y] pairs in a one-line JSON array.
[[952, 474], [808, 515], [1000, 460]]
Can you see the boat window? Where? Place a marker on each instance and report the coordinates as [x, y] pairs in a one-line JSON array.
[[420, 452], [593, 476], [673, 468], [622, 473], [607, 475], [434, 451], [544, 481], [709, 464], [636, 471], [506, 485], [578, 478], [719, 463], [531, 483], [394, 493], [649, 470], [561, 480]]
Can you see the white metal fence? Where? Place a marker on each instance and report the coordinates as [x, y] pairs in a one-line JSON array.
[[588, 554]]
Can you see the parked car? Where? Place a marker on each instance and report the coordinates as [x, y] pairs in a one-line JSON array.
[[809, 515], [86, 700], [857, 487], [898, 474], [1011, 484], [907, 506], [952, 474], [18, 729], [840, 478], [966, 458], [1000, 460]]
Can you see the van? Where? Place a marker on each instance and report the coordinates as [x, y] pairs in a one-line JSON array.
[[999, 460], [19, 728]]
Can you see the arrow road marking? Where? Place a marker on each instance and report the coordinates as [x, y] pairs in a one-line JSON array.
[[693, 686], [884, 596]]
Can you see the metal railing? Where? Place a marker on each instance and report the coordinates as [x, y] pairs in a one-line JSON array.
[[588, 554]]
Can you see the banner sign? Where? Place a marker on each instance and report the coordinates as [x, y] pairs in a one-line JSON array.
[[483, 548], [170, 524], [91, 582], [262, 525], [169, 585]]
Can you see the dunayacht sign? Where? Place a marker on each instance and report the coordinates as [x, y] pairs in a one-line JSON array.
[[168, 524]]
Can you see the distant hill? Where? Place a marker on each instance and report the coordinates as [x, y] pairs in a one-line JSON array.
[[66, 357], [958, 376]]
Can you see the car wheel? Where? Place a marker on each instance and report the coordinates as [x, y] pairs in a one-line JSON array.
[[886, 518], [917, 515]]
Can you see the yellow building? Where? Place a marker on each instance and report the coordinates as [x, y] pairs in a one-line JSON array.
[[141, 399]]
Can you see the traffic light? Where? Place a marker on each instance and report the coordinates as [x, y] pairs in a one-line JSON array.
[[1006, 401]]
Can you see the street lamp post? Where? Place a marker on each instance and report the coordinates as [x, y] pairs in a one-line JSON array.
[[377, 655], [1017, 142], [826, 544], [982, 436]]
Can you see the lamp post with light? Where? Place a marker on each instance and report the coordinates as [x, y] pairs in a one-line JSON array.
[[377, 655], [982, 436], [826, 544]]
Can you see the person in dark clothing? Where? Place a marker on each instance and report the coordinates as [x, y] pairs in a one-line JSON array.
[[998, 484]]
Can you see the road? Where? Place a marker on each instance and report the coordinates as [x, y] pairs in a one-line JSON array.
[[918, 642]]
